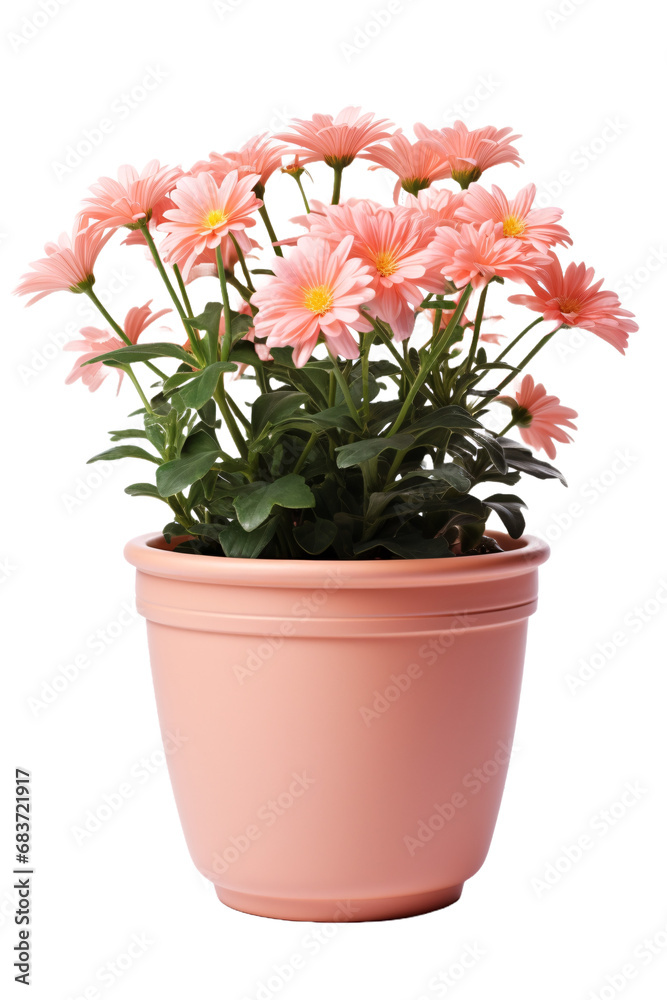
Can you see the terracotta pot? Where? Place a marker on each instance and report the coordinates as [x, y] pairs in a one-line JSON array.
[[344, 728]]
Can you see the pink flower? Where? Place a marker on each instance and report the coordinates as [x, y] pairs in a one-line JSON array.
[[335, 140], [135, 237], [259, 155], [217, 165], [477, 255], [96, 342], [68, 265], [516, 218], [317, 289], [392, 243], [437, 208], [539, 416], [471, 153], [416, 164], [140, 317], [131, 199], [205, 214], [572, 300]]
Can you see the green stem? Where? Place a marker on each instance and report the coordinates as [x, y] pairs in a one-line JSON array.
[[310, 443], [478, 325], [504, 431], [238, 413], [244, 292], [396, 464], [389, 343], [505, 351], [338, 177], [270, 230], [227, 338], [119, 330], [161, 270], [437, 319], [528, 357], [133, 378], [107, 315], [244, 266], [345, 389], [367, 340], [181, 285], [437, 353], [237, 437], [303, 193]]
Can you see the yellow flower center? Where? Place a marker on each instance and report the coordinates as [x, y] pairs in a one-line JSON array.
[[386, 263], [512, 226], [319, 299], [215, 217], [569, 305]]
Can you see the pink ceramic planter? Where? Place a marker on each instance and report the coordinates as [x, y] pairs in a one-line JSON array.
[[344, 727]]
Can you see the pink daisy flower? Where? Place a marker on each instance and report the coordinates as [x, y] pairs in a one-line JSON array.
[[571, 299], [217, 165], [517, 218], [317, 289], [68, 265], [540, 418], [96, 342], [437, 208], [130, 199], [471, 153], [477, 255], [335, 140], [259, 155], [205, 214], [417, 164], [393, 244]]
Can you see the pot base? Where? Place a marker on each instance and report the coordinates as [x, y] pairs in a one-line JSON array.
[[340, 911]]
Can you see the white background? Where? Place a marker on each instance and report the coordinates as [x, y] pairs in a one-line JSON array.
[[585, 87]]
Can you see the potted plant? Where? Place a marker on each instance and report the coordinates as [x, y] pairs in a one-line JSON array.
[[331, 624]]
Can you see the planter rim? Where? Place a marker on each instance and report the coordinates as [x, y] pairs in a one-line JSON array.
[[150, 554]]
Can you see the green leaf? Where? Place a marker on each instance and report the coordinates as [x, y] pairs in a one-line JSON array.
[[241, 323], [315, 537], [197, 456], [508, 508], [333, 418], [244, 353], [368, 448], [199, 389], [143, 490], [172, 530], [407, 547], [143, 352], [209, 319], [271, 407], [240, 544], [254, 502], [449, 473], [493, 449], [176, 381], [123, 451], [447, 417], [524, 460], [131, 432]]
